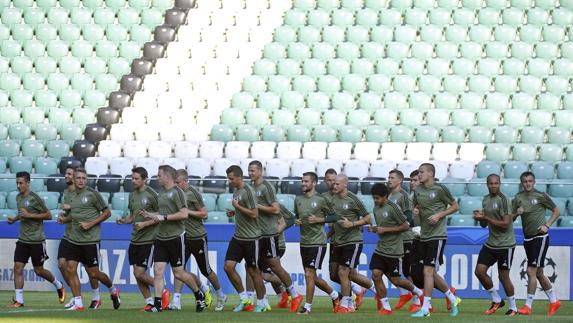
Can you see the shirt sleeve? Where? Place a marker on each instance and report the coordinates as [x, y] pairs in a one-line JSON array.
[[248, 198], [406, 202], [547, 202], [195, 199], [154, 201], [269, 193], [514, 205], [397, 214], [359, 206], [179, 199], [130, 203], [99, 203], [41, 206], [504, 205], [446, 196]]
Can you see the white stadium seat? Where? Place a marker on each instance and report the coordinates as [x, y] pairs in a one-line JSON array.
[[121, 166], [366, 151], [159, 149], [186, 150], [211, 150], [462, 169], [96, 165], [445, 151], [394, 151], [339, 151], [221, 164], [472, 151], [314, 150], [418, 150], [237, 150], [408, 166], [277, 168], [109, 149], [357, 168], [150, 164], [134, 149], [300, 166], [198, 167], [324, 164], [263, 150], [288, 150], [381, 168], [174, 162]]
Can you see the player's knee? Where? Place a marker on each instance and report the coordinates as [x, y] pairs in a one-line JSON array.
[[229, 267], [38, 270], [309, 274], [395, 281], [376, 274], [539, 272], [429, 271], [479, 272]]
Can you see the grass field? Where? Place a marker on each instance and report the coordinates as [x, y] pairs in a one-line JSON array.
[[43, 307]]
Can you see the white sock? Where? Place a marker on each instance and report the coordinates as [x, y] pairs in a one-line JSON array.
[[252, 297], [78, 301], [57, 284], [529, 300], [494, 295], [356, 289], [292, 291], [373, 288], [403, 291], [308, 307], [204, 288], [386, 303], [334, 294], [95, 294], [243, 296], [426, 305], [220, 294], [261, 302], [149, 301], [19, 295], [512, 305], [450, 296], [416, 301], [551, 295], [346, 301], [416, 291], [176, 298]]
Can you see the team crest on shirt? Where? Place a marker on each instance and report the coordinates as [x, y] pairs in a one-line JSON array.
[[170, 195], [385, 214], [494, 206], [237, 197], [26, 203], [432, 195], [533, 201], [259, 193], [345, 206], [144, 200], [85, 199], [313, 204]]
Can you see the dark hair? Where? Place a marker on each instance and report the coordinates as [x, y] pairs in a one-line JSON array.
[[330, 171], [256, 163], [73, 168], [493, 175], [235, 170], [429, 167], [24, 175], [379, 189], [312, 175], [169, 170], [414, 173], [141, 171], [398, 173], [526, 174]]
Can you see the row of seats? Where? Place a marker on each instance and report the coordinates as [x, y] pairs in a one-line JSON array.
[[47, 99], [55, 82], [116, 5], [315, 150]]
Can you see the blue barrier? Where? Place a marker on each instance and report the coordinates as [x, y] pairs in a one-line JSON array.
[[461, 253]]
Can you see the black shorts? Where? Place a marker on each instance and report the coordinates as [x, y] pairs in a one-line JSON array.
[[331, 257], [312, 257], [87, 254], [432, 252], [37, 251], [417, 265], [264, 264], [503, 257], [348, 255], [63, 249], [269, 247], [389, 266], [141, 255], [536, 250], [243, 249], [200, 250], [171, 251], [408, 258]]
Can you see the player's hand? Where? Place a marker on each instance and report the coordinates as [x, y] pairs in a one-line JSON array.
[[543, 229], [85, 226], [370, 228], [478, 215], [140, 226], [345, 223], [416, 211], [61, 218], [24, 213], [120, 220], [66, 207], [230, 213], [235, 203], [434, 219], [297, 222], [11, 220], [312, 219], [520, 210]]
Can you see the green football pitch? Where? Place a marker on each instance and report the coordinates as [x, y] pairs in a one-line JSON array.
[[43, 307]]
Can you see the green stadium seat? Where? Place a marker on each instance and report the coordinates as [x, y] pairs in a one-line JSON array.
[[313, 67], [344, 101], [45, 100], [390, 17], [358, 118], [453, 134], [57, 149], [324, 133], [564, 118], [285, 34], [558, 135], [292, 100], [46, 165], [401, 134], [268, 101], [560, 188], [9, 116], [540, 118], [33, 81], [295, 18], [449, 101], [304, 84], [210, 201], [463, 118], [273, 133], [288, 67], [82, 82], [376, 133], [506, 135], [543, 170], [470, 203], [21, 99], [139, 34], [257, 118], [334, 118], [308, 117], [21, 65], [57, 49], [94, 99], [566, 222], [222, 133], [278, 83], [565, 171], [44, 132], [57, 16], [514, 168], [515, 118], [283, 118], [70, 132], [106, 83], [350, 133], [411, 118], [129, 50], [532, 135], [462, 220], [274, 51], [379, 84], [427, 134], [438, 118], [395, 100], [83, 116], [298, 133], [106, 49], [497, 152], [471, 101], [264, 67], [93, 33], [232, 117], [404, 84], [480, 134], [550, 152], [298, 51], [318, 18], [477, 187], [32, 117], [309, 34], [247, 132], [20, 164], [486, 167], [105, 16], [254, 84], [19, 132], [9, 81], [524, 152], [22, 32]]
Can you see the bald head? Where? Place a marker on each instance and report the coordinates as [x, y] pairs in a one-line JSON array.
[[340, 184]]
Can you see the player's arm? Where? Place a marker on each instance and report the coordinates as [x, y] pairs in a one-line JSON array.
[[502, 224], [182, 214], [47, 215], [199, 214], [251, 213], [553, 218], [104, 215], [273, 209], [395, 229], [548, 203]]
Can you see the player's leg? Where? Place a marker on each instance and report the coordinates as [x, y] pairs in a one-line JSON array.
[[18, 300], [144, 281], [159, 266], [377, 267], [439, 282], [72, 273], [487, 257], [189, 280], [405, 295], [62, 260], [255, 274], [359, 285], [310, 279], [509, 290], [175, 304], [344, 276], [233, 275], [201, 255]]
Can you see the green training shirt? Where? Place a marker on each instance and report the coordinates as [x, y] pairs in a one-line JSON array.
[[431, 200], [286, 214], [170, 201], [311, 235], [389, 244], [403, 201], [68, 226], [534, 205], [194, 228], [86, 206], [495, 207], [139, 201], [351, 208], [268, 223], [328, 195], [31, 231], [246, 228]]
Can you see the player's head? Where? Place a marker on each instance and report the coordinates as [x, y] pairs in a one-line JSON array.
[[69, 175], [23, 182], [329, 177], [309, 180], [527, 181], [426, 173], [138, 177], [80, 178], [395, 178], [182, 179], [493, 183], [255, 170], [166, 175], [235, 176], [379, 193], [414, 180], [340, 184]]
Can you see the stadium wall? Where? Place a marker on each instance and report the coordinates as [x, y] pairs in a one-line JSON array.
[[461, 254]]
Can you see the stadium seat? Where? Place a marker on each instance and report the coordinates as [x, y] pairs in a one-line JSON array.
[[477, 187], [513, 169]]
